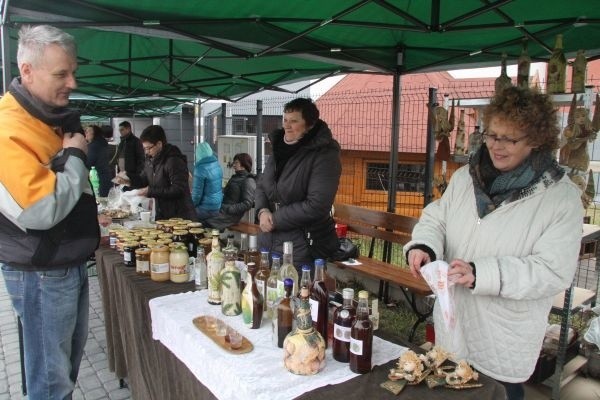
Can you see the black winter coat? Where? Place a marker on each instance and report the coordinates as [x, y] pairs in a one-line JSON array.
[[305, 192], [238, 197], [166, 176], [132, 150]]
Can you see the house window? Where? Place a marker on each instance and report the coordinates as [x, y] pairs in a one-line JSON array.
[[410, 177]]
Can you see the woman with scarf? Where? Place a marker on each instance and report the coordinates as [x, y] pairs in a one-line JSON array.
[[509, 225]]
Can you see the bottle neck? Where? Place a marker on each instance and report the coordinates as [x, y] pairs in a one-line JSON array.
[[319, 273], [362, 310], [275, 266], [215, 243], [288, 259], [347, 302]]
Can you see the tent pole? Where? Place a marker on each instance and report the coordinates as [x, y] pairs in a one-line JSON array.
[[393, 166], [430, 150], [259, 137], [5, 38]]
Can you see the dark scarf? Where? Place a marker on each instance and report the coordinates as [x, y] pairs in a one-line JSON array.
[[283, 151], [60, 117], [493, 187]]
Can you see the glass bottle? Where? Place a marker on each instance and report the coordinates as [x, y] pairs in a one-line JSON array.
[[252, 300], [283, 320], [272, 292], [319, 300], [215, 261], [523, 66], [243, 248], [200, 272], [578, 73], [262, 275], [343, 318], [557, 69], [503, 81], [287, 269], [304, 347], [231, 292], [305, 280], [361, 337], [253, 253]]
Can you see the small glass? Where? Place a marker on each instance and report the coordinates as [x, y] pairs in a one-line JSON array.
[[221, 329], [235, 340], [211, 322]]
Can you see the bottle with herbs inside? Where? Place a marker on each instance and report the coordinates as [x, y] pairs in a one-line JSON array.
[[262, 275], [343, 318], [319, 300], [283, 319], [230, 281], [287, 269], [272, 292], [252, 300], [557, 68], [215, 261], [361, 337]]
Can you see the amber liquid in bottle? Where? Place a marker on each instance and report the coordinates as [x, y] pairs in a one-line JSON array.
[[319, 301], [361, 337], [342, 324], [285, 313]]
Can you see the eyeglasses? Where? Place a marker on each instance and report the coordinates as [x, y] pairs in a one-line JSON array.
[[146, 149], [504, 141]]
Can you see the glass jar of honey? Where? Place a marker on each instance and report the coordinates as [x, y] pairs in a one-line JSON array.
[[142, 261], [178, 263], [159, 263]]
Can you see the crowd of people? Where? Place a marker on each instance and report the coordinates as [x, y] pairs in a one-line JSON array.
[[508, 224]]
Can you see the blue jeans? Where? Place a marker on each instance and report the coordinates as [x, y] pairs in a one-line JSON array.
[[54, 307]]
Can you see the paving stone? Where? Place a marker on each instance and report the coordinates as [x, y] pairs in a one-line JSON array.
[[120, 394], [95, 394], [88, 383]]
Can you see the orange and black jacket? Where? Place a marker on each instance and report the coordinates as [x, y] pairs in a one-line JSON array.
[[48, 214]]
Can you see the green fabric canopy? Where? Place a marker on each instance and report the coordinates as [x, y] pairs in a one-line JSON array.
[[174, 51]]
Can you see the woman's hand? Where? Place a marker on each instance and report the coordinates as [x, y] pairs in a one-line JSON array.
[[143, 191], [461, 273], [416, 259], [266, 221]]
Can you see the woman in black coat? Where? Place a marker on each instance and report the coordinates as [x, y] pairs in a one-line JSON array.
[[165, 176], [295, 193], [98, 157]]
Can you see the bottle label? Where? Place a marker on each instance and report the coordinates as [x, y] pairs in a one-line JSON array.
[[356, 346], [314, 309], [160, 268], [112, 240], [142, 266], [127, 256], [341, 332]]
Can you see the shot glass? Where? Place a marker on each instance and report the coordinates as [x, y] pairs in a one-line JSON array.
[[211, 322], [235, 340], [221, 329]]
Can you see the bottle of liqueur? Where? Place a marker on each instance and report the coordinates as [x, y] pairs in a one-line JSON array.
[[215, 261], [252, 300], [343, 318], [272, 292], [305, 280], [287, 269], [319, 300], [557, 69], [304, 347], [200, 273], [283, 319], [578, 73], [523, 66], [253, 253], [230, 281], [361, 337], [262, 276], [503, 81]]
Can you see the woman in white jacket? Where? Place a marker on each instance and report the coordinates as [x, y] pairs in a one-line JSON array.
[[510, 226]]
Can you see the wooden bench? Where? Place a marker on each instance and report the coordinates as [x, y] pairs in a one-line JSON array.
[[245, 227], [388, 228]]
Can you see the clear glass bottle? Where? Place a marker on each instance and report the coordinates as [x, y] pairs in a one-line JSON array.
[[262, 276], [578, 73], [305, 280], [557, 69], [283, 321], [252, 300], [361, 337], [319, 300], [503, 81], [272, 291], [343, 318], [287, 269], [200, 270], [304, 347], [231, 293], [215, 261], [523, 67]]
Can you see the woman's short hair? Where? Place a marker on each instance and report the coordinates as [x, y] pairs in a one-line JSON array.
[[154, 134], [528, 110], [245, 160], [308, 109]]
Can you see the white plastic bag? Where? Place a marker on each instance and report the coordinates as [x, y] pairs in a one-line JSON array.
[[592, 334]]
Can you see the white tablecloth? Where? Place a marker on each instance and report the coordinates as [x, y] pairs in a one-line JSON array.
[[259, 374]]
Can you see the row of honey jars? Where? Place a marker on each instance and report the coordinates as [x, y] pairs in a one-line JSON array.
[[169, 263]]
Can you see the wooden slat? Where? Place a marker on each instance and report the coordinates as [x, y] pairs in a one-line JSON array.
[[245, 227]]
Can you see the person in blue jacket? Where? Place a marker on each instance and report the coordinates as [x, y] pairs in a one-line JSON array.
[[207, 191]]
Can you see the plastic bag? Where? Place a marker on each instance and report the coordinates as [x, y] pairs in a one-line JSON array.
[[592, 334]]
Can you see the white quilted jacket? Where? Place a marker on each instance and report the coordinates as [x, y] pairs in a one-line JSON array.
[[525, 253]]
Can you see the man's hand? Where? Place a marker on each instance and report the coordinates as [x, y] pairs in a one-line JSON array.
[[76, 140], [266, 221]]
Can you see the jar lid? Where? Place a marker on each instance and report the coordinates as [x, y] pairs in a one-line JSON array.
[[363, 294], [180, 232], [196, 230], [160, 248], [143, 250]]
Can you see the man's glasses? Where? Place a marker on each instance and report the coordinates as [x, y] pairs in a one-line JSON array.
[[502, 140]]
